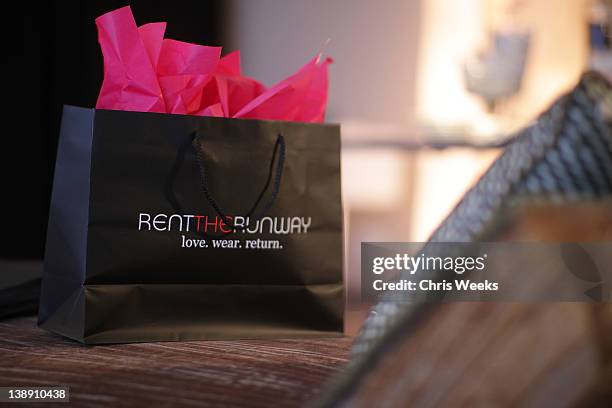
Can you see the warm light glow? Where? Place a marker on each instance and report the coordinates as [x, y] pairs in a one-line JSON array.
[[454, 30], [450, 31], [442, 179]]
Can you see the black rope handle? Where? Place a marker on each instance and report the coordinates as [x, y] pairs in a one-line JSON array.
[[279, 150]]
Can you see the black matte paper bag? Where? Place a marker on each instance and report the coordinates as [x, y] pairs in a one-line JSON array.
[[170, 227]]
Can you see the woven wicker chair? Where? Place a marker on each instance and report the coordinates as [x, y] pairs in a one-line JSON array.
[[564, 158]]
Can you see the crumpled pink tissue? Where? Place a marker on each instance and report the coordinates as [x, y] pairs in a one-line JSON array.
[[145, 72]]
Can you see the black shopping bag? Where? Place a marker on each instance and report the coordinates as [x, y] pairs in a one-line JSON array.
[[170, 227]]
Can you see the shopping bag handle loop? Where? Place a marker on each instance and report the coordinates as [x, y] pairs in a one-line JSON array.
[[275, 175]]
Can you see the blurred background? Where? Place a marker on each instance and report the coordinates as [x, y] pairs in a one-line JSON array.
[[425, 91]]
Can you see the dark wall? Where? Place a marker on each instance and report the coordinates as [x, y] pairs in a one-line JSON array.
[[50, 56]]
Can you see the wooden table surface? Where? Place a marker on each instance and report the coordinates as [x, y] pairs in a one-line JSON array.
[[253, 373]]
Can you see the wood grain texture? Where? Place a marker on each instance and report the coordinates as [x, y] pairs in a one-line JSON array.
[[496, 354], [249, 373], [489, 355]]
